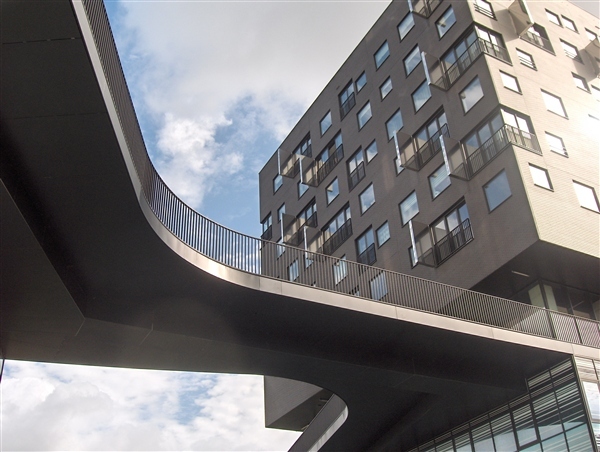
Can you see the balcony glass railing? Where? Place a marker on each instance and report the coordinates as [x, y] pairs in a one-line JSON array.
[[262, 258]]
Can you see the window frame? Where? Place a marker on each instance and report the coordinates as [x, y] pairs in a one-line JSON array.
[[379, 60], [512, 78], [397, 112], [369, 155], [553, 18], [487, 184], [546, 96], [526, 60], [487, 10], [592, 191], [366, 106], [540, 171], [294, 267], [416, 202], [430, 180], [584, 84], [280, 213], [569, 24], [388, 81], [437, 25], [570, 50], [348, 95], [327, 116], [327, 191], [340, 270], [277, 183], [369, 240], [360, 83], [385, 225], [464, 97], [410, 58], [412, 20], [353, 165], [422, 86], [302, 192], [552, 147], [370, 188]]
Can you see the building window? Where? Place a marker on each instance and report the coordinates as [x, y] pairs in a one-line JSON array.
[[337, 231], [361, 81], [308, 216], [586, 196], [365, 248], [554, 104], [580, 82], [367, 199], [497, 190], [382, 54], [409, 208], [433, 129], [421, 95], [412, 60], [570, 50], [378, 287], [332, 191], [553, 18], [302, 188], [394, 124], [340, 270], [305, 147], [385, 88], [596, 92], [406, 25], [280, 247], [356, 169], [293, 271], [371, 151], [325, 123], [450, 233], [347, 99], [445, 22], [556, 144], [484, 7], [280, 213], [569, 24], [439, 181], [540, 177], [510, 82], [277, 182], [267, 228], [472, 94], [591, 35], [364, 115], [525, 59], [383, 234]]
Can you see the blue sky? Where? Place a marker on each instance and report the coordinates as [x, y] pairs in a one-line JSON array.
[[216, 85]]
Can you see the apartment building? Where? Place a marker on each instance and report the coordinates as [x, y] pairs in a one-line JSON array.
[[458, 143]]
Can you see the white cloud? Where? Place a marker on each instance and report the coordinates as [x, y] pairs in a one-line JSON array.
[[59, 407]]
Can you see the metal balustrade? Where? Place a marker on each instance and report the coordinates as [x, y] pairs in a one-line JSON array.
[[537, 41], [424, 7], [347, 105], [427, 151], [357, 175], [338, 237], [269, 259]]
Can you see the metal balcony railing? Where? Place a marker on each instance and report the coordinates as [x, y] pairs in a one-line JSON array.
[[428, 150], [261, 257], [298, 236], [424, 7], [467, 58], [338, 237], [537, 41], [323, 169], [499, 141], [357, 175], [347, 105], [267, 234], [368, 256], [448, 245]]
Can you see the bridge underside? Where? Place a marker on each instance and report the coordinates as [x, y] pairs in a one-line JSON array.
[[85, 279]]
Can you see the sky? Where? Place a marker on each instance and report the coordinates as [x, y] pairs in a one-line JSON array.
[[216, 86]]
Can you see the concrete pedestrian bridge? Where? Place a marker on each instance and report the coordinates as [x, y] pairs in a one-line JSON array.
[[102, 264]]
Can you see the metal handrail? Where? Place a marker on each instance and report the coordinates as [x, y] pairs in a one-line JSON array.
[[260, 257], [347, 105], [538, 41]]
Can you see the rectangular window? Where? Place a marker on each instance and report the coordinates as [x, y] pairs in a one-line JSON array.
[[409, 208], [378, 287], [383, 234], [510, 82], [337, 230], [280, 213], [305, 147], [302, 188], [325, 123], [484, 7], [553, 18], [347, 99], [293, 271], [591, 35], [445, 22], [497, 190], [412, 60], [421, 95], [432, 130], [580, 82], [365, 248], [332, 191], [540, 177], [277, 182], [382, 54], [340, 270], [525, 59], [308, 216], [405, 26], [570, 50], [371, 151], [267, 228], [569, 24], [472, 94], [356, 169], [439, 181], [586, 196], [364, 115], [556, 144], [361, 81], [367, 198], [554, 104], [385, 88], [394, 124]]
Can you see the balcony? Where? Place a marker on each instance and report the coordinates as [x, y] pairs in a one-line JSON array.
[[338, 237], [323, 169], [357, 175], [499, 141], [538, 41], [448, 245], [427, 151], [267, 234], [347, 105], [423, 7], [368, 256], [297, 237], [466, 60]]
